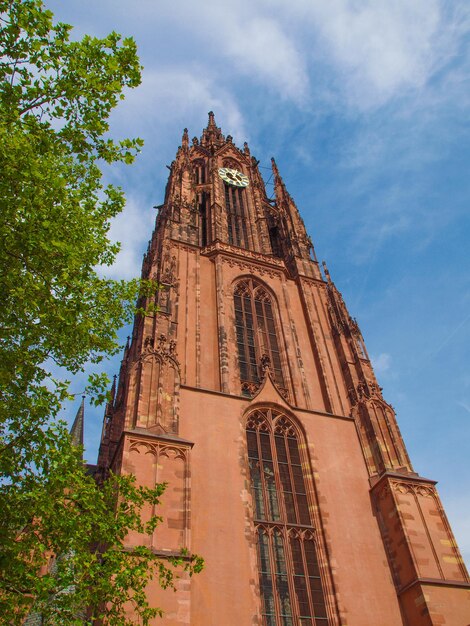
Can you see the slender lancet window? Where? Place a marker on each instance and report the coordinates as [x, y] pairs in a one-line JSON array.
[[256, 335], [289, 574], [236, 218]]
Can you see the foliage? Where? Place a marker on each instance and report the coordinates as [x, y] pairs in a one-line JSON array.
[[93, 576], [56, 96]]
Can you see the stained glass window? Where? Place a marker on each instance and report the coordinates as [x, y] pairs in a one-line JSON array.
[[289, 573], [256, 334]]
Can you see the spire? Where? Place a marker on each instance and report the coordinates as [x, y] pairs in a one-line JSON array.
[[282, 195], [279, 186], [112, 395], [182, 155], [76, 432], [212, 135], [113, 388], [298, 242], [327, 273], [211, 123], [275, 169]]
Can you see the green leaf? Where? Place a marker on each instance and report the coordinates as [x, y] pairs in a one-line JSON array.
[[56, 308]]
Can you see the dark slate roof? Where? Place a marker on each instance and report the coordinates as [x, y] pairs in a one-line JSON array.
[[76, 432]]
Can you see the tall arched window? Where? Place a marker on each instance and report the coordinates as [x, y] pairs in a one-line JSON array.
[[203, 208], [256, 335], [236, 217], [289, 575]]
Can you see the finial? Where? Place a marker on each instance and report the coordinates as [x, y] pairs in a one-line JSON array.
[[76, 432], [185, 139], [113, 388], [125, 356], [211, 135], [246, 149]]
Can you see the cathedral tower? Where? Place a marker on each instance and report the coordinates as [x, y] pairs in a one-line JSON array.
[[252, 395]]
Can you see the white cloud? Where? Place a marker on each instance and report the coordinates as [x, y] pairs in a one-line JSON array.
[[251, 39], [361, 52], [380, 47], [132, 229], [243, 39], [368, 52], [381, 363], [260, 48], [177, 94]]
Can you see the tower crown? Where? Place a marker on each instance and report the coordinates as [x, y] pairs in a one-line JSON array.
[[212, 134], [216, 194]]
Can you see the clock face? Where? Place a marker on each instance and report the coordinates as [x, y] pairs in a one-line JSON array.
[[233, 177]]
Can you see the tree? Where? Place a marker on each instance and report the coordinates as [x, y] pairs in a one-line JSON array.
[[59, 521], [55, 99]]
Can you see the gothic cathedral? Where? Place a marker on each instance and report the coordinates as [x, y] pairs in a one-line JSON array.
[[252, 395]]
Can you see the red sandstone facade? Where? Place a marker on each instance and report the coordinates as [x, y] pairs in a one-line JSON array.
[[251, 394]]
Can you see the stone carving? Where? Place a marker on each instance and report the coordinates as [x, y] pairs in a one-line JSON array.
[[232, 164], [248, 267], [158, 448], [336, 323], [158, 373], [164, 299], [425, 491], [164, 349], [403, 488], [249, 389], [265, 363], [148, 343], [365, 390], [352, 395], [246, 254]]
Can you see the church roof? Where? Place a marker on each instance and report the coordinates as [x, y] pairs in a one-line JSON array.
[[76, 432]]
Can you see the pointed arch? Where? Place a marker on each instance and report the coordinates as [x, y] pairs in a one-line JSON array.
[[257, 334], [291, 584], [237, 222], [156, 397]]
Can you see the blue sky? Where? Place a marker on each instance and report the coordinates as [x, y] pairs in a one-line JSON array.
[[365, 106]]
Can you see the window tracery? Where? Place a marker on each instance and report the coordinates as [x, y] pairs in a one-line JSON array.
[[236, 216], [203, 204], [289, 573], [257, 342], [200, 171]]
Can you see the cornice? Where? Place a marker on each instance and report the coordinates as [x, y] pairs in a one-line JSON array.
[[143, 433], [412, 478], [241, 254], [437, 582]]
